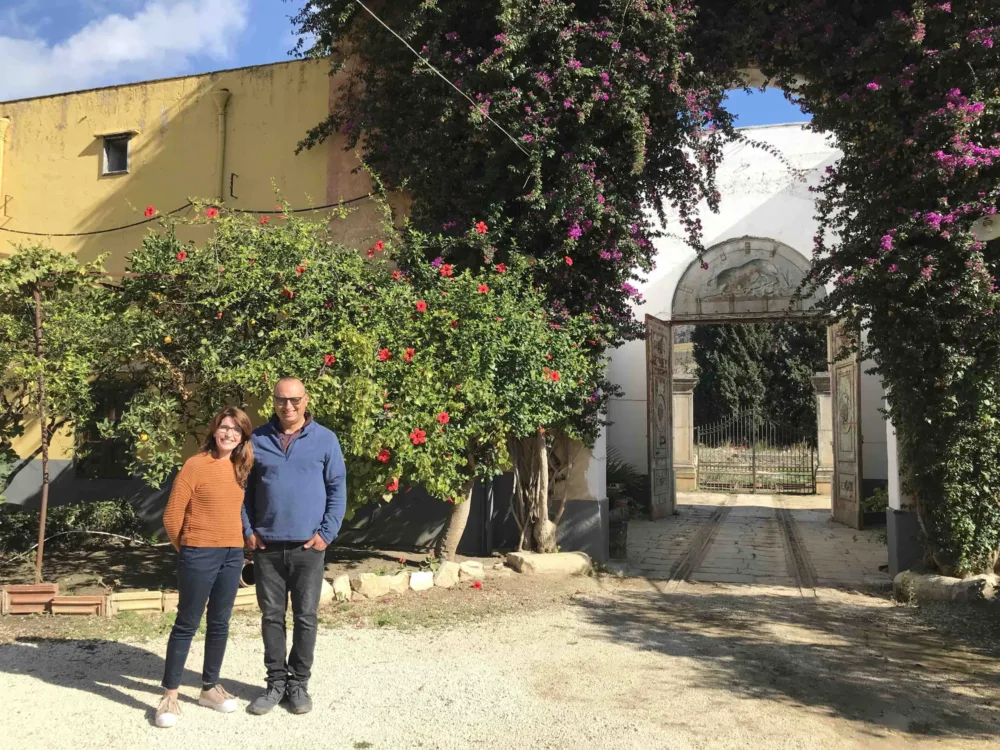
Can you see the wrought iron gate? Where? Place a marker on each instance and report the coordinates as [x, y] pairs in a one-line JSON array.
[[749, 453]]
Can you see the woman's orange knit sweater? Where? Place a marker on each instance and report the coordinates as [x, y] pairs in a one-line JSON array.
[[204, 505]]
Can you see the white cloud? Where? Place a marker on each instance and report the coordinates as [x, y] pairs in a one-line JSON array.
[[158, 40]]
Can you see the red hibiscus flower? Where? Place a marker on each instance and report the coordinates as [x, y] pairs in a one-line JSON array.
[[444, 418], [397, 275], [149, 211], [379, 246], [483, 289], [219, 315], [384, 354], [408, 356], [264, 220], [286, 292], [501, 268], [370, 252], [182, 256], [384, 455], [329, 359], [477, 585], [300, 270], [481, 227], [392, 485], [554, 376], [418, 436], [569, 261], [421, 306], [211, 213], [454, 324], [447, 270]]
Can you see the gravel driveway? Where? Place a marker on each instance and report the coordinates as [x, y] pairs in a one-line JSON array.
[[604, 665]]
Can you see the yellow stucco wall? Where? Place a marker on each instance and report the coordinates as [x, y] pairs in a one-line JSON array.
[[54, 153], [51, 177]]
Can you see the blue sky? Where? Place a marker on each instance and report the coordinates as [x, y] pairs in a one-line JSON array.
[[53, 46]]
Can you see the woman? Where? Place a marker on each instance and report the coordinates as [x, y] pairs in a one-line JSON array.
[[202, 519]]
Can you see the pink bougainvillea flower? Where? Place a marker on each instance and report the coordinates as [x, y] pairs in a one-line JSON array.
[[481, 227], [501, 268], [329, 359], [384, 455], [211, 213], [384, 355], [149, 211], [392, 485], [408, 356], [447, 270], [418, 436], [264, 220], [569, 261], [421, 306], [182, 256], [483, 289], [443, 417]]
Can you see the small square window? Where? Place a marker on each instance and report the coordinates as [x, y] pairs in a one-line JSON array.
[[116, 153]]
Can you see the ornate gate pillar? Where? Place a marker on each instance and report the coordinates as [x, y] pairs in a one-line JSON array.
[[685, 457], [824, 432]]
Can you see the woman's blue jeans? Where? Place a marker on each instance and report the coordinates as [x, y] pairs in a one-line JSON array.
[[205, 576]]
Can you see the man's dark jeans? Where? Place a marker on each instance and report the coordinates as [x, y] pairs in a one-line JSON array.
[[205, 575], [281, 569]]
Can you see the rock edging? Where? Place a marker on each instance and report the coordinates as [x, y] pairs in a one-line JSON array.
[[919, 588]]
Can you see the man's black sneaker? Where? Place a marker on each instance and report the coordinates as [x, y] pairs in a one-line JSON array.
[[299, 701], [271, 698]]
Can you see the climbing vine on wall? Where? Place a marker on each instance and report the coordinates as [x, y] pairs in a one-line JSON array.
[[584, 113]]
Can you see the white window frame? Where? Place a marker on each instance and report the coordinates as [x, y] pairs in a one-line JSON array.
[[127, 137]]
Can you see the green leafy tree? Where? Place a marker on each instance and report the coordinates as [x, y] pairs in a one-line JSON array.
[[766, 368], [53, 310], [426, 375]]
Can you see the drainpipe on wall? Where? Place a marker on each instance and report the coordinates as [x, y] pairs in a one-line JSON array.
[[221, 98], [4, 124]]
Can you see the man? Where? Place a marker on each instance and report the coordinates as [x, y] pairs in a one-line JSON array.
[[295, 502]]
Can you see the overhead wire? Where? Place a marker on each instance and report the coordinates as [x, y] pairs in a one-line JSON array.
[[186, 206]]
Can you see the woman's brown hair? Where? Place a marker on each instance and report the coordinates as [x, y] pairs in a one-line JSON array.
[[242, 455]]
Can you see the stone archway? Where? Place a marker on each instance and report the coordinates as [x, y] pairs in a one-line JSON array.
[[744, 280]]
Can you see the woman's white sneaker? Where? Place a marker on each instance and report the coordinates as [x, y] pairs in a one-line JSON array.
[[218, 699], [167, 712]]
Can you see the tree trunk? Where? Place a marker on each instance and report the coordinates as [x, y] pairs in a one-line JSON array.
[[447, 544], [531, 494], [43, 423]]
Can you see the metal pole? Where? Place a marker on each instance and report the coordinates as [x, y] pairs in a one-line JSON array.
[[42, 417], [753, 453]]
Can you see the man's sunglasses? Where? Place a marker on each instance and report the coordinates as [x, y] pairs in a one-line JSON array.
[[294, 400]]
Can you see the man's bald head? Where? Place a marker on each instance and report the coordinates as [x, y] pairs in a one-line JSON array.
[[290, 403]]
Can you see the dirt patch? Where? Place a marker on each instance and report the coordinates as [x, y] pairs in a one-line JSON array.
[[96, 568]]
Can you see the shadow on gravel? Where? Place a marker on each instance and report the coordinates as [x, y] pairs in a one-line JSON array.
[[929, 671], [102, 668]]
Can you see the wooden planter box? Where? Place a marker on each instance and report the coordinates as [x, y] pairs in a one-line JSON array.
[[79, 605], [246, 598], [170, 600], [29, 599], [136, 601]]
